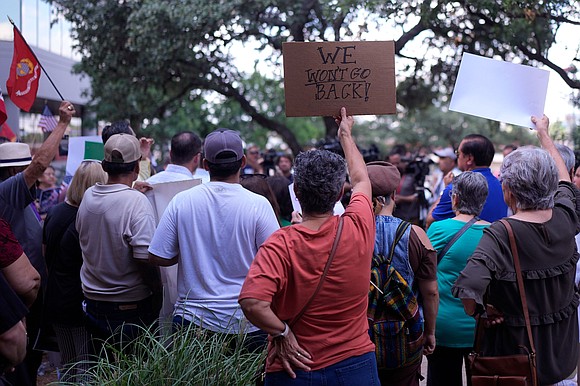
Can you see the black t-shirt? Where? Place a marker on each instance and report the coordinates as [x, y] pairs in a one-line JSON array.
[[64, 295]]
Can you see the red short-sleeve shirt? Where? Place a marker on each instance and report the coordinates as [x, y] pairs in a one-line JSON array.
[[10, 249], [288, 267]]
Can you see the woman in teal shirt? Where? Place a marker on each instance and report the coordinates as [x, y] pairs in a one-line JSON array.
[[454, 329]]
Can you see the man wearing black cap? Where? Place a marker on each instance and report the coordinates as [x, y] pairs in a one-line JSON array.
[[415, 260], [115, 225], [213, 231]]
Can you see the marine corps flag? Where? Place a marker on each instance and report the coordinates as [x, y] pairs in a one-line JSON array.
[[22, 83]]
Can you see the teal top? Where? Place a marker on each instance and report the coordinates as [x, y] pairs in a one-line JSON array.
[[454, 328]]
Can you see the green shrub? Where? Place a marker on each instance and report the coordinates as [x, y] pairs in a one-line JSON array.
[[194, 357]]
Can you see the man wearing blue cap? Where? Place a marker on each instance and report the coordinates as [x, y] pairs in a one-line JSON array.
[[213, 231]]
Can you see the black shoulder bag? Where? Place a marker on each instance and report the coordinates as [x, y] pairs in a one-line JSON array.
[[455, 238]]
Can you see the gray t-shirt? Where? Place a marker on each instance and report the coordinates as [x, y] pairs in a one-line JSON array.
[[115, 225]]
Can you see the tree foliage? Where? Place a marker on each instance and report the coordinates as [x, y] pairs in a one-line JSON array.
[[149, 59]]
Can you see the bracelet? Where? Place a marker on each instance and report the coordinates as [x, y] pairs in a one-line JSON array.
[[284, 333]]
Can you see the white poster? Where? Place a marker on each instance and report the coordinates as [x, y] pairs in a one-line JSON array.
[[499, 90], [162, 193], [338, 207]]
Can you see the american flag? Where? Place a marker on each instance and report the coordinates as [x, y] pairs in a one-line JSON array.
[[47, 121]]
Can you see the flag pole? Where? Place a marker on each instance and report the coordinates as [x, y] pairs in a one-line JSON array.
[[35, 57]]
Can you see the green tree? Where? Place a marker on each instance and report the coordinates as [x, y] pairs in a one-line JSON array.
[[146, 56], [434, 127]]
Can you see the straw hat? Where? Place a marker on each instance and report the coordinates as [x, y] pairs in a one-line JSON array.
[[14, 154]]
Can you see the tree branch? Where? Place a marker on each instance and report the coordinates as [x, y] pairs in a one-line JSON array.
[[573, 83], [229, 92], [410, 35]]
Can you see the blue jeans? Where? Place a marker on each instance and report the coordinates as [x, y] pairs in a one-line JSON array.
[[118, 323], [354, 371], [253, 341]]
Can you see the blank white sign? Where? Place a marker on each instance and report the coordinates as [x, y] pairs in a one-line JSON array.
[[500, 91]]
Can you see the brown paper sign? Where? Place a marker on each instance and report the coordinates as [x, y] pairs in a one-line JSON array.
[[321, 77]]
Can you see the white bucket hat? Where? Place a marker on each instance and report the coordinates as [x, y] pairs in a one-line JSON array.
[[14, 154]]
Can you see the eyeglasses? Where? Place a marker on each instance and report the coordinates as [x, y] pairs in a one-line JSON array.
[[254, 152], [258, 175]]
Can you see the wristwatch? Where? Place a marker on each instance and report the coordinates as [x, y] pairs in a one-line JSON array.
[[284, 333]]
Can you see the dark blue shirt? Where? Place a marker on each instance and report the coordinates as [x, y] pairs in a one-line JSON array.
[[493, 209]]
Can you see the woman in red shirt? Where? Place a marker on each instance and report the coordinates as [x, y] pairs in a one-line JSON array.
[[329, 342]]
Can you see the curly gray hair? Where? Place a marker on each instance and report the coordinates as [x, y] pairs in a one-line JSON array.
[[531, 175], [471, 190], [319, 176]]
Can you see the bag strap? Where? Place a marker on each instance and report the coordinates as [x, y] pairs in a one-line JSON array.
[[401, 229], [455, 238], [324, 273], [520, 281]]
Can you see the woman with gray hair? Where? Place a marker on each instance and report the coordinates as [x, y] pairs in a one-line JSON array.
[[536, 186], [315, 313], [454, 330]]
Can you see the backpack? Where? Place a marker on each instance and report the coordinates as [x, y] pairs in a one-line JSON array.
[[395, 322]]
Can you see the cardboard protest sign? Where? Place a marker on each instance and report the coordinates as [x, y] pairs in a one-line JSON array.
[[498, 90], [321, 77]]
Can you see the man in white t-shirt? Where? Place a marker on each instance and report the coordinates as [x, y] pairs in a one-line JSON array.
[[213, 231]]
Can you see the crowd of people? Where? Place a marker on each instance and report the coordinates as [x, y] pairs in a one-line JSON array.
[[337, 295]]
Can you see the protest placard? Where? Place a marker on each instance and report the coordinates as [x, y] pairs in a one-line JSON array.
[[321, 77], [163, 193], [82, 148], [338, 207], [498, 90]]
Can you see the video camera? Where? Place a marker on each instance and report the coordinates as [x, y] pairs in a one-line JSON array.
[[269, 160], [418, 167]]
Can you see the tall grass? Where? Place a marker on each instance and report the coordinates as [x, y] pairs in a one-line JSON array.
[[194, 357]]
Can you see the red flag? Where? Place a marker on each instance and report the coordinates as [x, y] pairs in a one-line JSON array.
[[22, 84], [47, 121], [3, 115], [6, 132]]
